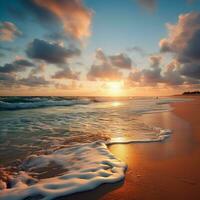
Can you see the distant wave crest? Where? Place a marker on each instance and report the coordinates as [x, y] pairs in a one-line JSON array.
[[39, 103]]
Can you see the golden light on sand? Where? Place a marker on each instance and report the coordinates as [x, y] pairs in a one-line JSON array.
[[115, 88]]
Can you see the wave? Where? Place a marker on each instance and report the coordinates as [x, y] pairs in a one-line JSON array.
[[83, 166], [98, 166], [162, 135], [171, 100], [79, 167], [39, 103]]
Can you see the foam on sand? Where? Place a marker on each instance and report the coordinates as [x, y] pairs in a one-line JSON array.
[[87, 166], [160, 136]]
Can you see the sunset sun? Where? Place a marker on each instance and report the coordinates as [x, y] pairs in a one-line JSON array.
[[115, 88]]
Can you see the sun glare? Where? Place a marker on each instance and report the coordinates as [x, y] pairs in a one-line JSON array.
[[116, 104], [115, 87]]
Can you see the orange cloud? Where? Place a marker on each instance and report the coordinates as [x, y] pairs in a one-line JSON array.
[[8, 31], [75, 18]]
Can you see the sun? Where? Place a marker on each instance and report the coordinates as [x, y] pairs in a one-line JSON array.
[[115, 87]]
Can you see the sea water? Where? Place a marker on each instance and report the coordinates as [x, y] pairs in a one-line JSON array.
[[55, 146]]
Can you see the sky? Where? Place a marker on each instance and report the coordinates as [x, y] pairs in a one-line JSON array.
[[99, 48]]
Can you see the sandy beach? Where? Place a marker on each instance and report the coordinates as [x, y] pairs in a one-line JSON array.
[[163, 170]]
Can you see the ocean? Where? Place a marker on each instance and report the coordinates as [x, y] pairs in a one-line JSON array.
[[55, 146]]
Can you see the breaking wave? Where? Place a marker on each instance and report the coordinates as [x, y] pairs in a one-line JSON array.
[[29, 103]]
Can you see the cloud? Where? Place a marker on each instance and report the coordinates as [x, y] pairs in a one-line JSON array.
[[150, 76], [33, 81], [171, 74], [100, 55], [183, 38], [50, 52], [150, 5], [10, 78], [121, 61], [108, 67], [103, 72], [66, 73], [69, 86], [146, 77], [9, 31], [39, 69], [183, 42], [16, 66], [138, 50], [71, 16], [191, 70], [155, 61], [7, 79]]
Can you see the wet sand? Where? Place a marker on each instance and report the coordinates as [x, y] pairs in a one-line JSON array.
[[163, 170]]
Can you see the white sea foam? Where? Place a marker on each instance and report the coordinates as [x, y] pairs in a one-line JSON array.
[[87, 166], [160, 136]]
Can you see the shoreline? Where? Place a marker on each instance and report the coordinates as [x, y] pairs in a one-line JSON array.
[[167, 169], [158, 170]]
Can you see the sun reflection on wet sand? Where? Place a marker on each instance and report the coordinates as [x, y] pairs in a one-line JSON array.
[[122, 151]]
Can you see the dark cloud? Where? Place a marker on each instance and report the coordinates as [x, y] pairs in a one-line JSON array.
[[69, 86], [43, 15], [35, 77], [149, 76], [16, 66], [103, 72], [121, 61], [184, 44], [172, 74], [8, 31], [184, 38], [192, 51], [155, 61], [107, 67], [39, 69], [7, 78], [23, 62], [70, 17], [50, 52], [33, 81], [191, 70], [66, 73], [100, 55], [8, 72]]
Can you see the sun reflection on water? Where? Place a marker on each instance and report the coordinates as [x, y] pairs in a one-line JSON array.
[[116, 103]]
